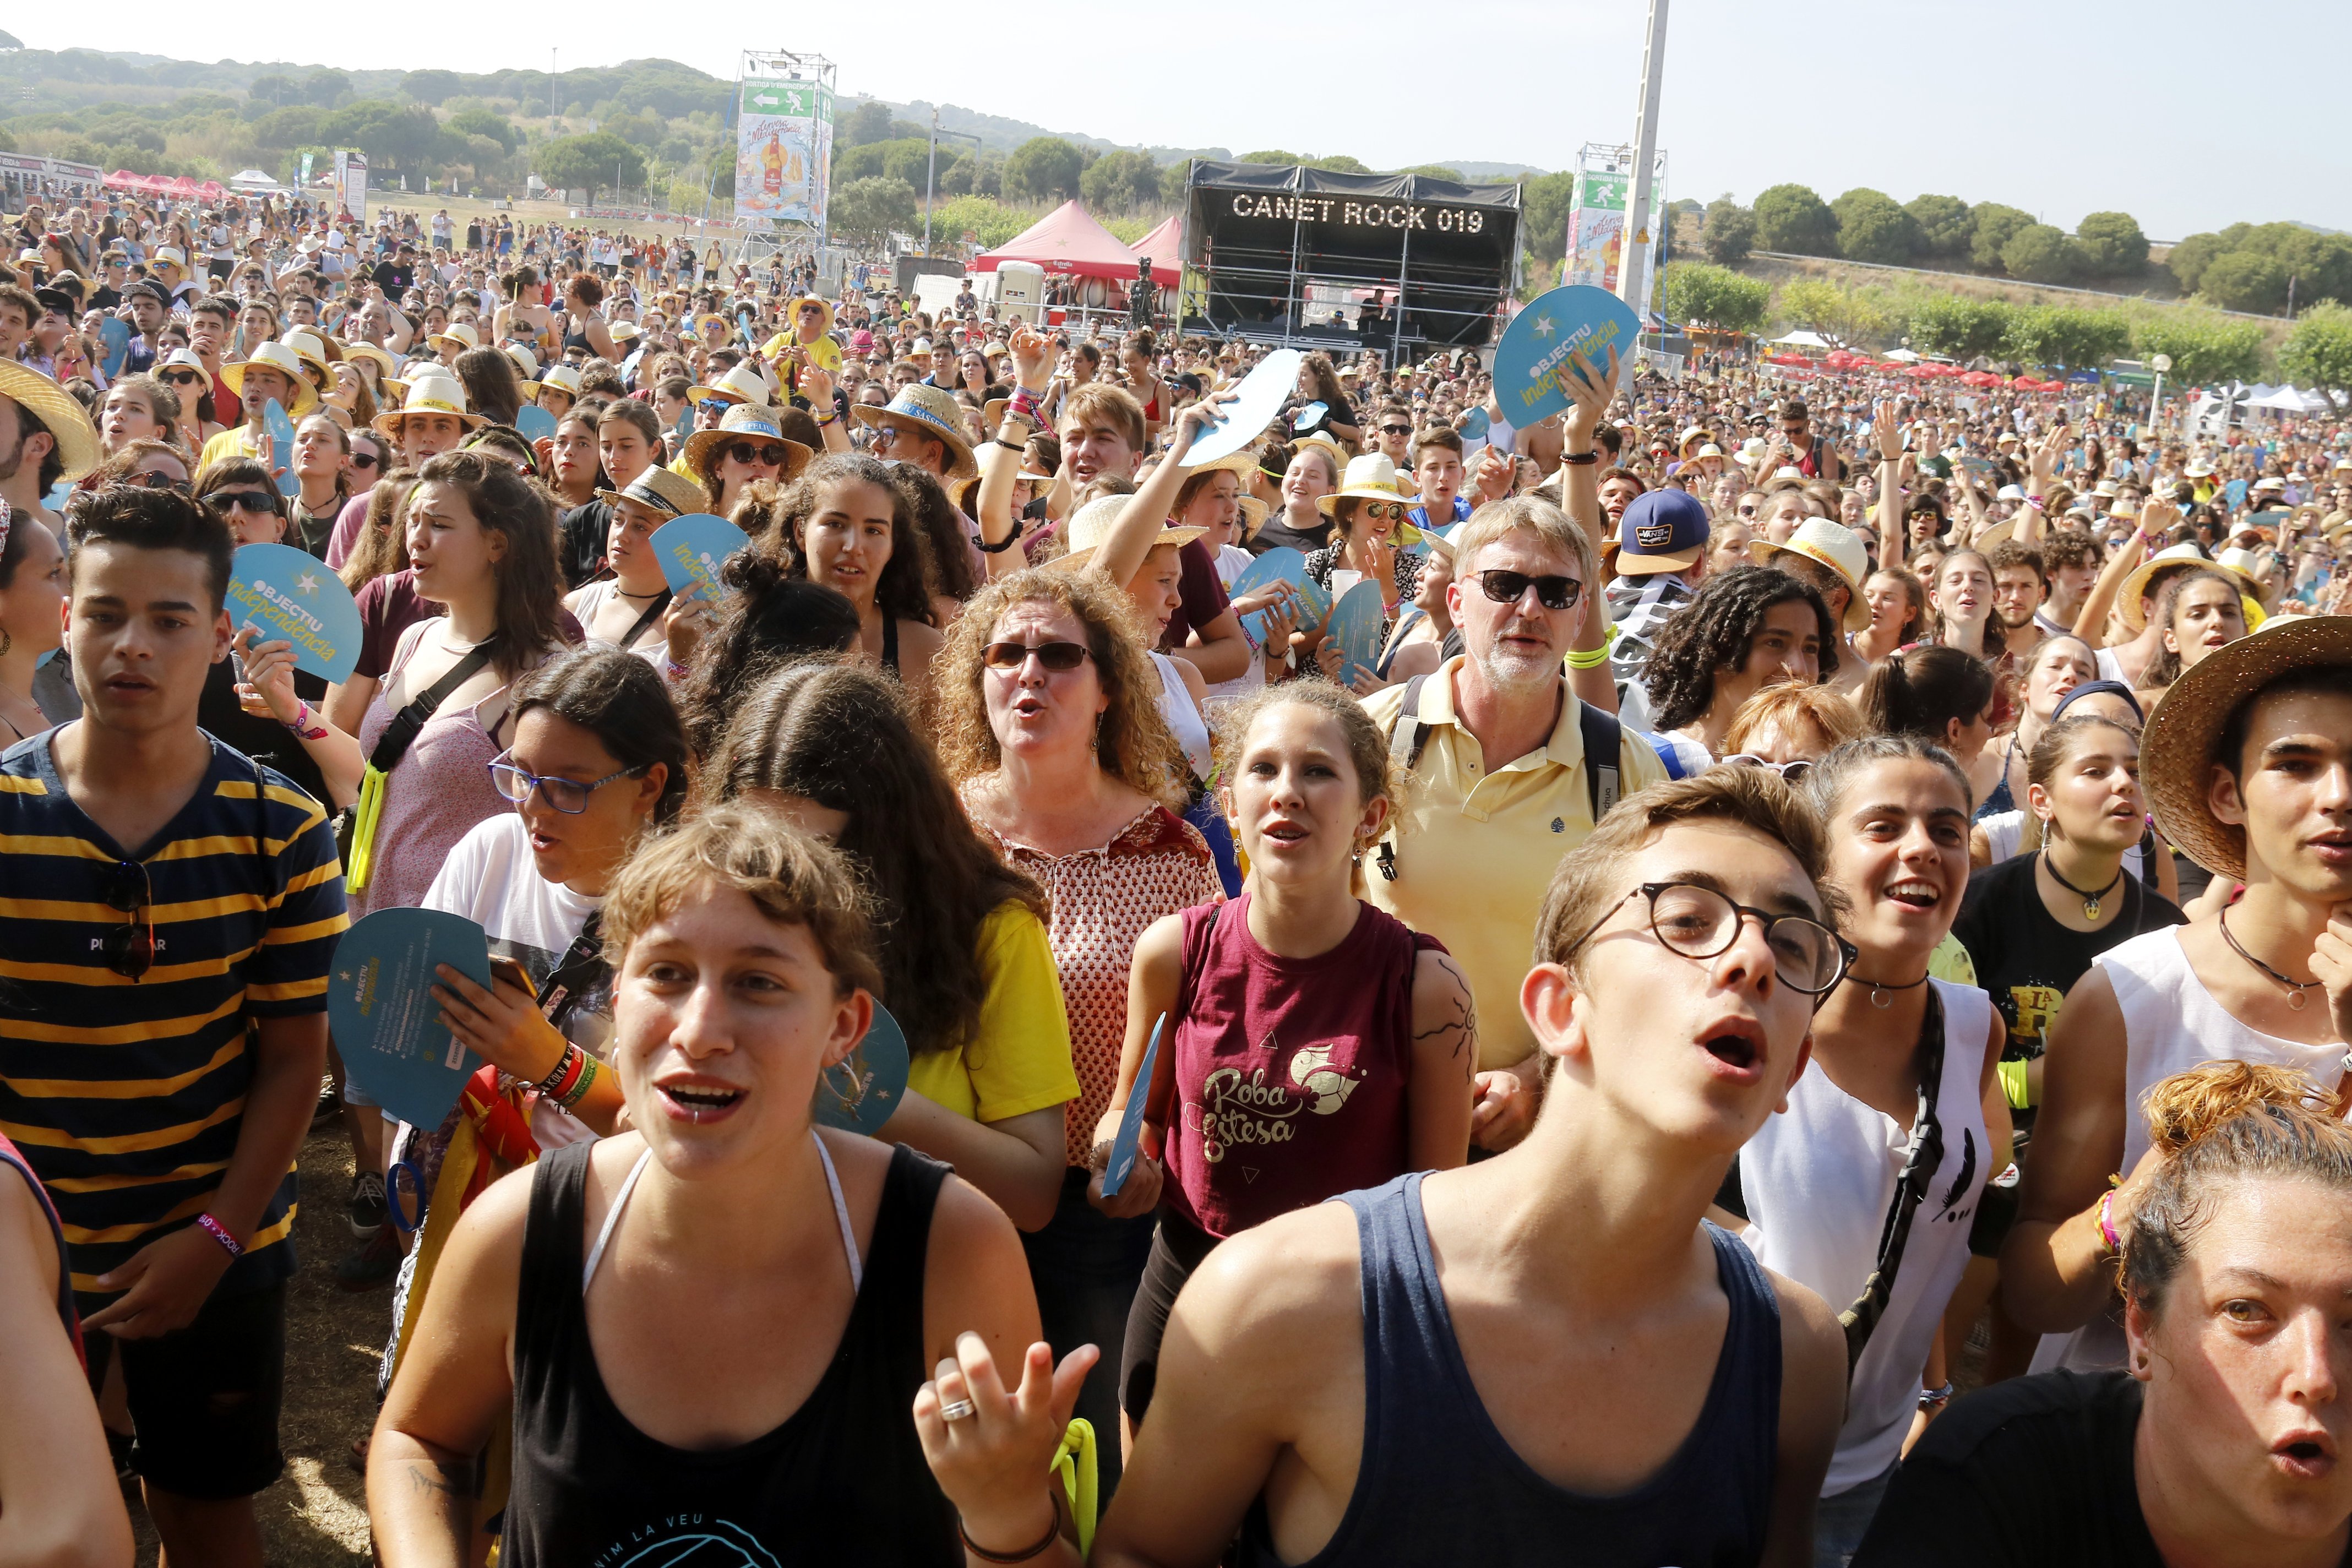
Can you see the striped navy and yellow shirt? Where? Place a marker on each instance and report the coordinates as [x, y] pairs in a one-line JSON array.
[[127, 1097]]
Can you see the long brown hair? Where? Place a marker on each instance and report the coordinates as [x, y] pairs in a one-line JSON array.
[[382, 547], [529, 584], [774, 516]]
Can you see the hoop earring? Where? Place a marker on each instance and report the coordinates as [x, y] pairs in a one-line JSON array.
[[7, 642]]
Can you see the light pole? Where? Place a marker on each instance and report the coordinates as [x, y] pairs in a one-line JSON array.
[[551, 91], [932, 172], [1633, 269], [2159, 364]]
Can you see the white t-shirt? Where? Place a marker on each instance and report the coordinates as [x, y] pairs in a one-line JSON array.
[[490, 878]]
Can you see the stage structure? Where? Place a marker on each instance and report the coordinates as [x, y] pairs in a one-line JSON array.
[[1596, 219], [1311, 258], [784, 151]]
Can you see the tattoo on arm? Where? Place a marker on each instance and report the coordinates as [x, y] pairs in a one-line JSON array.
[[453, 1481], [1461, 1031]]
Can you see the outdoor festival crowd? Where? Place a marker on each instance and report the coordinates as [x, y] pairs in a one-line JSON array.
[[1826, 887]]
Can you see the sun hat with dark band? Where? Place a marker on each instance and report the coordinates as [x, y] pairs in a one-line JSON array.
[[929, 412], [660, 489], [2178, 751], [276, 356], [745, 421], [428, 392], [64, 419]]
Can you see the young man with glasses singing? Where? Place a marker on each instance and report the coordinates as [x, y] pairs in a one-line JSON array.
[[1477, 1365], [162, 1023]]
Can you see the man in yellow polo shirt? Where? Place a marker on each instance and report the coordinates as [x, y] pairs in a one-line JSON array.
[[806, 339], [1502, 787]]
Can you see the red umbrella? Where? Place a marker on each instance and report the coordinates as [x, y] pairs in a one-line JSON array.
[[1840, 359], [1981, 378]]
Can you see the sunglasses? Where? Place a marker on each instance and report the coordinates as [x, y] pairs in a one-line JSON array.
[[1791, 772], [1396, 429], [768, 453], [253, 503], [713, 405], [1509, 587], [364, 460], [153, 480], [183, 378], [1378, 509], [1055, 656], [130, 948]]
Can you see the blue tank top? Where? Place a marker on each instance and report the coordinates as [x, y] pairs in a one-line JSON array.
[[1438, 1484]]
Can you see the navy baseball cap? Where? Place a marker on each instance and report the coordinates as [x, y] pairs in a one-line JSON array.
[[1663, 530]]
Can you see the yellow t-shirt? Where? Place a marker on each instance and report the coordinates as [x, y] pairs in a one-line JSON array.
[[1019, 1059], [237, 441], [1476, 846], [825, 354]]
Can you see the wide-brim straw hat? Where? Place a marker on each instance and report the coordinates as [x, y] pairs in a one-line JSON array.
[[310, 347], [65, 419], [428, 394], [386, 365], [744, 383], [927, 411], [1831, 544], [563, 378], [660, 489], [274, 355], [1254, 515], [462, 334], [1092, 522], [1369, 478], [793, 311], [2138, 586], [745, 421], [2176, 753]]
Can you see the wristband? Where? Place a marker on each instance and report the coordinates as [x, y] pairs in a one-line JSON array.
[[2113, 1242], [674, 670], [1024, 403], [1579, 459], [220, 1233], [300, 724], [1053, 1533], [559, 1076], [588, 1068], [1936, 1398], [828, 419], [2037, 504], [1001, 546], [1012, 445], [1594, 659]]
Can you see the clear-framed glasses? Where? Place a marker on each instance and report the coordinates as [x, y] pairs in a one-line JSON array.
[[1789, 771], [1701, 922], [567, 795]]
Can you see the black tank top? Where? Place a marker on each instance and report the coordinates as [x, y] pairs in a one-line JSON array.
[[843, 1480], [1438, 1485]]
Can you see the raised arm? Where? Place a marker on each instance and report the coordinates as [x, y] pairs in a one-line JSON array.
[[1145, 516], [1000, 459], [1589, 393], [2041, 464], [2091, 621], [1888, 431]]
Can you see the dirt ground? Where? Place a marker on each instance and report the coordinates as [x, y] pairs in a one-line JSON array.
[[316, 1516]]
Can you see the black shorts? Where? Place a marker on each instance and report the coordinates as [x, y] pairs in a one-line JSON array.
[[220, 266], [1178, 1247], [204, 1400]]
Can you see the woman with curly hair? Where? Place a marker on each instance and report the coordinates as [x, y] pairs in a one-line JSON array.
[[1050, 728], [1745, 630], [1319, 382], [959, 936], [846, 524]]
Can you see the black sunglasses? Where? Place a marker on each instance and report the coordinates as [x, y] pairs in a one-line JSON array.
[[1054, 655], [770, 453], [251, 502], [130, 948], [1509, 587], [183, 378], [153, 479], [1396, 429], [364, 460]]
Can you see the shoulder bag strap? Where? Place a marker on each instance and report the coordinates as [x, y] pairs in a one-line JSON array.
[[1920, 1161], [1406, 742], [398, 736], [1603, 739], [637, 627]]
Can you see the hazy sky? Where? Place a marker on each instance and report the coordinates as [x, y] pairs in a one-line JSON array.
[[2157, 109]]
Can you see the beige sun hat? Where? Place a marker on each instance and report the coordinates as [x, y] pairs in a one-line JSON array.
[[660, 489], [2141, 584], [462, 334], [2178, 750], [1369, 478], [927, 411], [64, 419], [745, 421], [1092, 524], [743, 383], [274, 355], [1831, 544], [428, 392], [563, 378]]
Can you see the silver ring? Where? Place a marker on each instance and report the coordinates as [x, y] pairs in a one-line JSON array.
[[958, 1410]]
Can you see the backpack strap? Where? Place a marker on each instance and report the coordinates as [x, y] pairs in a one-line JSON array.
[[1604, 738], [1407, 740]]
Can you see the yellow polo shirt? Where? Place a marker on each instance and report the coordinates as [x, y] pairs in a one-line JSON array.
[[237, 441], [825, 354], [1476, 848]]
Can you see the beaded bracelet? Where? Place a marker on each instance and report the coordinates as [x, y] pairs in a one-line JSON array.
[[220, 1233]]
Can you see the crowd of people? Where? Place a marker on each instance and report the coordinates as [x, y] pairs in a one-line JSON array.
[[1829, 891]]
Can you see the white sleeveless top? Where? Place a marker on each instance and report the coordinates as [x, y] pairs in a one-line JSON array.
[[1818, 1180], [1183, 716], [2171, 1023]]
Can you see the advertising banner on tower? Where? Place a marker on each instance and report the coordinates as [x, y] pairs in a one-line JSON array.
[[783, 146], [350, 181], [1596, 226]]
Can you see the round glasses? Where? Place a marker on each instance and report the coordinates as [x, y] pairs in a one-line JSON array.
[[768, 454], [1701, 922]]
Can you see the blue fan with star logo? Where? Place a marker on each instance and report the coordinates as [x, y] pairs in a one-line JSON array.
[[288, 593], [1532, 362]]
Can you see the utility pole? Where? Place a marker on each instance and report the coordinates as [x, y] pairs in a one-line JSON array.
[[1633, 266], [551, 91]]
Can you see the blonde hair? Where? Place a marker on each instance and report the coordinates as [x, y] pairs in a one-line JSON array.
[[1498, 519], [1782, 709]]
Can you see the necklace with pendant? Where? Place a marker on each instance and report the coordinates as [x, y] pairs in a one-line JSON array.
[[2090, 900], [2298, 991]]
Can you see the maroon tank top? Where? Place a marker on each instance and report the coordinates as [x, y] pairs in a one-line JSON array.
[[1291, 1073]]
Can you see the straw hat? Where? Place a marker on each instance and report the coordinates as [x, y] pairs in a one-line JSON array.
[[660, 489], [386, 365], [66, 420], [1088, 529], [274, 355], [2141, 584], [1694, 433], [2176, 753], [308, 346], [1254, 515], [744, 383], [1318, 438], [561, 377], [744, 421], [927, 411], [792, 312], [623, 332], [1369, 478], [1831, 544], [461, 334], [428, 392]]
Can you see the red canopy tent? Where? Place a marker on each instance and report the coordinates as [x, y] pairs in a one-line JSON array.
[[1981, 378], [1165, 246], [124, 180], [1069, 242]]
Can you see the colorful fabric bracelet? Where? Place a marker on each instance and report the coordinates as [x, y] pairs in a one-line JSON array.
[[573, 1096], [220, 1233]]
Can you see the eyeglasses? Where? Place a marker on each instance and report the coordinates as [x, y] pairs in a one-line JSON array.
[[153, 479], [567, 795], [253, 503], [770, 454], [1056, 656], [130, 948], [1791, 772], [1700, 923], [1509, 587]]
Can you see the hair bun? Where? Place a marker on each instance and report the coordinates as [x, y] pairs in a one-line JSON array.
[[2194, 1104]]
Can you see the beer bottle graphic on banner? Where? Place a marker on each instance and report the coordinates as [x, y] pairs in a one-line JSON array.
[[774, 158]]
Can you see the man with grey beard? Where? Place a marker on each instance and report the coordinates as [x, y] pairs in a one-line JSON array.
[[1497, 742]]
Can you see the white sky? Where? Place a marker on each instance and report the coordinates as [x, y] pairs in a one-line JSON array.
[[2161, 109]]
